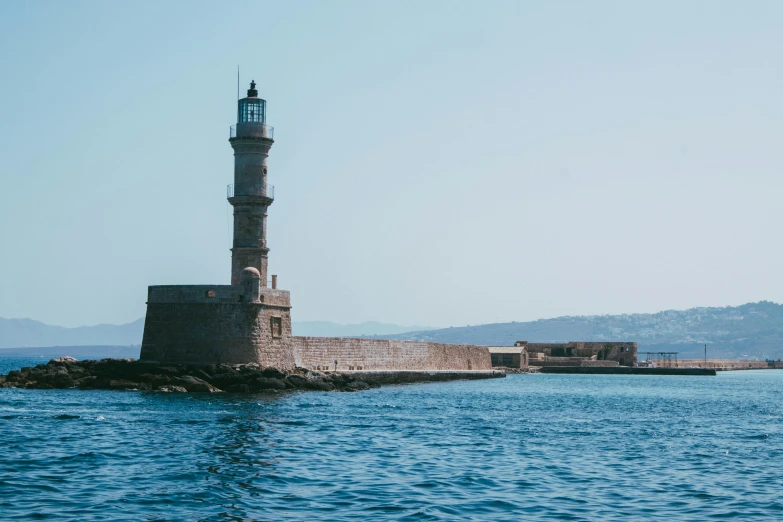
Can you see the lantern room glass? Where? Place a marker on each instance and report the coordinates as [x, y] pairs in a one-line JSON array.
[[252, 110]]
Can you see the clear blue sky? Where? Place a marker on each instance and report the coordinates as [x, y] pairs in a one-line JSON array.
[[440, 163]]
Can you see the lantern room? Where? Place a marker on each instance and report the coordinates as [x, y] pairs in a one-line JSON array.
[[252, 109]]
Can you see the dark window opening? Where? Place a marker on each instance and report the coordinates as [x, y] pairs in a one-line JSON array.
[[276, 325]]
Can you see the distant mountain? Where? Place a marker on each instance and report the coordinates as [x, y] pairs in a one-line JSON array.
[[20, 333], [370, 328], [80, 352], [753, 330]]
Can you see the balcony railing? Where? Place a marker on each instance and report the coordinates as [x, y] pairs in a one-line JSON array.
[[252, 130], [269, 192]]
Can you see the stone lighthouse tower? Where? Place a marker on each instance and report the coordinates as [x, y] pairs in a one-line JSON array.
[[250, 195], [246, 321]]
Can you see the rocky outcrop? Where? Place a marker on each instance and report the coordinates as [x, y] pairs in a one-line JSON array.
[[130, 374]]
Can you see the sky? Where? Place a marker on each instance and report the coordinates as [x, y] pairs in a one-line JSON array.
[[436, 163]]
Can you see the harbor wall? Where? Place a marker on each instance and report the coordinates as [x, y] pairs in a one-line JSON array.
[[718, 364], [319, 353], [625, 370], [246, 323]]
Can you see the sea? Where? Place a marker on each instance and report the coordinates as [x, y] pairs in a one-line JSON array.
[[527, 447]]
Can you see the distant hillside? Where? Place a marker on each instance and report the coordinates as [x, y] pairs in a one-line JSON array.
[[327, 329], [80, 352], [753, 330], [19, 333]]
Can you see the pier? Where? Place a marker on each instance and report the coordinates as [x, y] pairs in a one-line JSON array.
[[626, 370]]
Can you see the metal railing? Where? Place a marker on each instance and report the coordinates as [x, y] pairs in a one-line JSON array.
[[269, 192], [252, 130]]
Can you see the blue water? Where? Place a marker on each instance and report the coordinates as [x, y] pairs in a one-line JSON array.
[[528, 447]]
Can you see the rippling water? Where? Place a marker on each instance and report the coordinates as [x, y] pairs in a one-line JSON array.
[[532, 447]]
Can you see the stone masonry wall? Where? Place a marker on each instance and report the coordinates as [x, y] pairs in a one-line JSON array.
[[214, 333], [214, 324], [376, 354], [214, 294]]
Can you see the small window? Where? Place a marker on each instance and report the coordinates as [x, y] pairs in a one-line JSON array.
[[276, 325]]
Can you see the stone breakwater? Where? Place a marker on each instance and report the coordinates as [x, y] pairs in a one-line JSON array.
[[130, 374]]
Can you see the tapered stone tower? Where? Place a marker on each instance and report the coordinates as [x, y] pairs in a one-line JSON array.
[[250, 195]]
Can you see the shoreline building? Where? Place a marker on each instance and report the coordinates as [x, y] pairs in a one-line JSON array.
[[249, 321], [582, 353]]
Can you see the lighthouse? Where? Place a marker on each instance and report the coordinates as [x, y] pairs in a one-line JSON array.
[[250, 194], [249, 323], [246, 321]]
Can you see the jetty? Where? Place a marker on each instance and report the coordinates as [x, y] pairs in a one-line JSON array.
[[626, 370]]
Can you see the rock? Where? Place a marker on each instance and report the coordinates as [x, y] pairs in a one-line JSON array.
[[66, 359], [171, 371], [39, 386], [88, 383], [194, 384], [319, 385], [172, 389], [273, 373], [13, 376], [215, 369], [251, 371], [122, 384], [227, 380], [356, 386], [238, 388], [201, 374], [123, 369], [265, 383], [76, 370], [35, 374], [61, 381], [155, 380], [297, 381]]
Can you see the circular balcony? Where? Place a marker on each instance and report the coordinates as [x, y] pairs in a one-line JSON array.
[[251, 130], [266, 192]]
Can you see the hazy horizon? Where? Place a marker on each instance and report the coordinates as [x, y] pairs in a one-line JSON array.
[[424, 327], [435, 163]]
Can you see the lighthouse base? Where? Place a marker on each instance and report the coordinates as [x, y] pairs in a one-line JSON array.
[[203, 324]]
